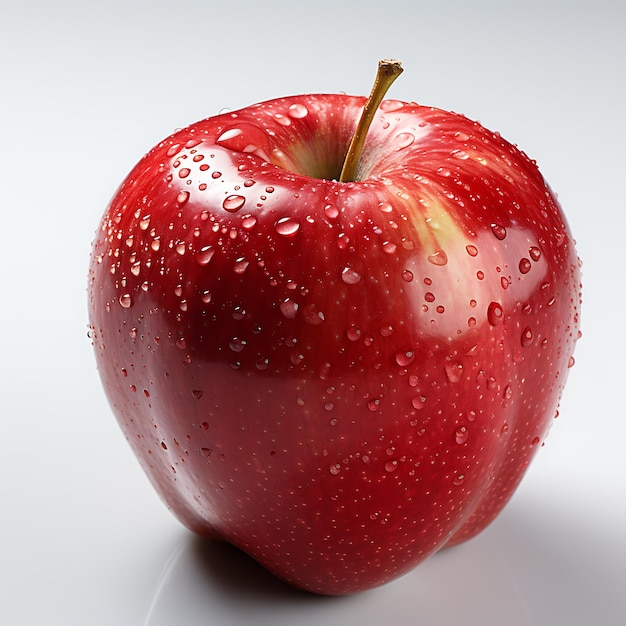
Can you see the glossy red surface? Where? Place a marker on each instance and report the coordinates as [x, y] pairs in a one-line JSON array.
[[338, 378]]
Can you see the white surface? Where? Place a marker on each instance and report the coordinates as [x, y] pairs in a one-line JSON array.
[[86, 89]]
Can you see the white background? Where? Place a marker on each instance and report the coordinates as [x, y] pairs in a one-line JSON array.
[[85, 89]]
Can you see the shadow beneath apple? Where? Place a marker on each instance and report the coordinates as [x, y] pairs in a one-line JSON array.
[[528, 568]]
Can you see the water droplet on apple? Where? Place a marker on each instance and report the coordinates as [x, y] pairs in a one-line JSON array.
[[462, 155], [312, 315], [461, 434], [289, 308], [418, 401], [182, 197], [404, 140], [405, 357], [126, 301], [498, 231], [350, 276], [249, 222], [237, 344], [454, 371], [239, 313], [391, 105], [183, 172], [471, 250], [458, 480], [571, 362], [527, 336], [386, 330], [241, 265], [494, 313], [331, 212], [206, 297], [438, 258], [297, 111], [391, 466], [197, 394], [233, 203], [389, 247], [373, 404], [173, 150], [206, 452], [334, 469], [524, 266], [287, 226], [534, 252], [407, 275]]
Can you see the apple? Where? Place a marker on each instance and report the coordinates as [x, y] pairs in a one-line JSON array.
[[340, 365]]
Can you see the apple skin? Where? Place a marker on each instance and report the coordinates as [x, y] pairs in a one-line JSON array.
[[339, 378]]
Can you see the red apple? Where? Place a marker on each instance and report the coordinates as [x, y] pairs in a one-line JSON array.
[[339, 378]]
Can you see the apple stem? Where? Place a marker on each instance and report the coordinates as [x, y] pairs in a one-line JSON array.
[[388, 71]]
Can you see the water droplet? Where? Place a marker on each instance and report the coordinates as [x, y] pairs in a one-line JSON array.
[[527, 336], [233, 203], [458, 479], [197, 394], [498, 231], [508, 392], [249, 222], [262, 364], [386, 330], [391, 466], [287, 226], [391, 105], [206, 297], [181, 344], [389, 247], [180, 248], [495, 313], [459, 154], [350, 276], [418, 401], [524, 266], [334, 469], [183, 172], [144, 222], [237, 344], [206, 452], [353, 333], [239, 313], [571, 362], [289, 308], [504, 282], [471, 250], [438, 258], [241, 265], [126, 301], [534, 252], [404, 140], [182, 197], [461, 434], [407, 275], [312, 315], [297, 111], [454, 371], [173, 150], [405, 357], [373, 404], [331, 212], [535, 441]]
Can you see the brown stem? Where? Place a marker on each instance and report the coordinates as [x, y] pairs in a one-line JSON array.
[[388, 71]]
